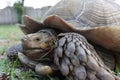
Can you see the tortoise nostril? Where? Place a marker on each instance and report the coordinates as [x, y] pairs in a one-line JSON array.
[[23, 39]]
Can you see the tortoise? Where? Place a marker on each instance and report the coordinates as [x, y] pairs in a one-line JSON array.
[[90, 18]]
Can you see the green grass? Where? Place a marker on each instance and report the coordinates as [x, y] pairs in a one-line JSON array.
[[10, 32], [9, 35]]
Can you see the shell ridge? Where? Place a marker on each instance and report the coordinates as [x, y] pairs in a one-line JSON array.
[[82, 11]]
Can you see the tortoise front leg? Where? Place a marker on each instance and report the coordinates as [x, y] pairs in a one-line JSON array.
[[78, 60], [39, 67]]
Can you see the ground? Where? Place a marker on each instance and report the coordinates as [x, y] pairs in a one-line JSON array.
[[9, 35]]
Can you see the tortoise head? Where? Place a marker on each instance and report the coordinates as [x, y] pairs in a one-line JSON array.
[[40, 44]]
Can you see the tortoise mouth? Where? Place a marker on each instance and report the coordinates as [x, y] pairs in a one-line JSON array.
[[36, 53], [37, 50], [32, 49]]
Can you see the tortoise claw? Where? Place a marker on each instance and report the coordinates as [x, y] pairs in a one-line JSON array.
[[43, 69]]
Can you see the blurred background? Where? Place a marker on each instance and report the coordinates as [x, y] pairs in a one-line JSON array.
[[12, 10]]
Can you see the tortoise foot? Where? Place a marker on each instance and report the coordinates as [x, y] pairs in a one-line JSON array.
[[12, 52]]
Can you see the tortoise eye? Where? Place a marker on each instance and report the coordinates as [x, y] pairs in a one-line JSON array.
[[37, 39]]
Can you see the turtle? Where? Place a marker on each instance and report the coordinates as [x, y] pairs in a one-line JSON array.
[[97, 21]]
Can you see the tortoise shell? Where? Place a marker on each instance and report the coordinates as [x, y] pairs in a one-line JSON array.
[[97, 20], [87, 13], [82, 16]]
